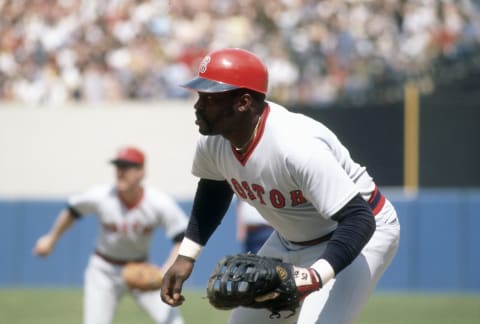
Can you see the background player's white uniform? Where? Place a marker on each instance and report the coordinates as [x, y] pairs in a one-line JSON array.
[[298, 178], [252, 229], [249, 214], [124, 235]]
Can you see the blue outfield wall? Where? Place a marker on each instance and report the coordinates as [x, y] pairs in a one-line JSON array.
[[439, 249]]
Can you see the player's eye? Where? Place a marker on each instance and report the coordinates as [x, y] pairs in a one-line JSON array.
[[207, 98]]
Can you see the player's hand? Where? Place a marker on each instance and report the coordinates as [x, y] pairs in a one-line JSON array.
[[173, 280], [44, 246]]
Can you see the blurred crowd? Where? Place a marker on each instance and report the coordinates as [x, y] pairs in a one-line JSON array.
[[318, 51]]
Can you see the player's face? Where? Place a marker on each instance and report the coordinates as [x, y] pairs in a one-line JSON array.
[[215, 113], [128, 177]]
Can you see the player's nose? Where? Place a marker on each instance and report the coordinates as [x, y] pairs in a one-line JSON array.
[[197, 105]]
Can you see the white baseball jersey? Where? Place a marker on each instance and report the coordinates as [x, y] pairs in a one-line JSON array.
[[296, 173], [125, 233]]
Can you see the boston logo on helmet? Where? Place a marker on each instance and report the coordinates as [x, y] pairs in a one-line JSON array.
[[228, 69]]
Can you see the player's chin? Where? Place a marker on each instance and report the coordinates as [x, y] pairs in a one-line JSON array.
[[204, 132], [122, 186], [204, 129]]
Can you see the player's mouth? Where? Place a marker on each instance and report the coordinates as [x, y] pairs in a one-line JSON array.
[[199, 119], [203, 124]]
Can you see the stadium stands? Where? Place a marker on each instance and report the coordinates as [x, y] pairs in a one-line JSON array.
[[320, 52]]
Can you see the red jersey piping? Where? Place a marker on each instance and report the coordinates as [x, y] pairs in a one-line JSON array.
[[135, 203], [243, 157]]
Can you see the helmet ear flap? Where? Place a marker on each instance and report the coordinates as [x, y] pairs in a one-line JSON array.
[[228, 69]]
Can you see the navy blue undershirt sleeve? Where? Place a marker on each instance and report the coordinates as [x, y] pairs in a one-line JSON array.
[[178, 238], [356, 225], [210, 204], [74, 212]]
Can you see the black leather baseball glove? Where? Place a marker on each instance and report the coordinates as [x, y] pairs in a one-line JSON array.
[[254, 281]]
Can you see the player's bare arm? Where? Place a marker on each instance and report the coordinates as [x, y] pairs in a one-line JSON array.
[[46, 243]]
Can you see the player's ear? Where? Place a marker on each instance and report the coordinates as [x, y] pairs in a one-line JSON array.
[[244, 102]]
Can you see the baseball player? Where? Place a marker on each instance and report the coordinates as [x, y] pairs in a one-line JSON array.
[[252, 229], [331, 221], [128, 213]]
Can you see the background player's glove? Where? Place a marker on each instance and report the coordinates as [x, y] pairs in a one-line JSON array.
[[142, 276], [254, 281]]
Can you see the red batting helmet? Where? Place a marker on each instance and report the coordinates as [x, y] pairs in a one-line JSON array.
[[228, 69]]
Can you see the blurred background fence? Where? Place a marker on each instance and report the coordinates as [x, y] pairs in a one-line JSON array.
[[49, 154], [438, 251]]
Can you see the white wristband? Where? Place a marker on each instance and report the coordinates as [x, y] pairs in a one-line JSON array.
[[190, 248], [324, 270]]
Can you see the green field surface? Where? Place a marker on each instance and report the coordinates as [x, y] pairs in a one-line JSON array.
[[64, 306]]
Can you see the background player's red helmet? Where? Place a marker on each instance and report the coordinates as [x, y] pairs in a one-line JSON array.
[[228, 69], [129, 155]]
